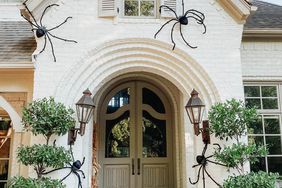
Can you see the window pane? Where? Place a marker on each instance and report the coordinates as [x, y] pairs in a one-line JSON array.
[[255, 103], [251, 91], [3, 184], [118, 100], [274, 144], [117, 137], [147, 8], [260, 165], [4, 147], [258, 140], [150, 98], [131, 8], [256, 127], [271, 125], [268, 91], [270, 103], [275, 164], [154, 136], [4, 166]]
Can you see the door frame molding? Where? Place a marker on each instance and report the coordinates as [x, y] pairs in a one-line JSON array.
[[174, 97]]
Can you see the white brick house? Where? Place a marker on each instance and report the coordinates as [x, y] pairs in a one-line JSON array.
[[117, 55]]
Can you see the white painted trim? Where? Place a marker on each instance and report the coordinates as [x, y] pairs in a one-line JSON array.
[[16, 119]]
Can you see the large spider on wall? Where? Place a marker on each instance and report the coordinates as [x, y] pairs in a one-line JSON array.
[[203, 161], [182, 20], [74, 168], [41, 30]]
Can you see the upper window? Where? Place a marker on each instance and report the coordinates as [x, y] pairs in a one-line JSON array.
[[263, 97], [139, 8], [268, 129]]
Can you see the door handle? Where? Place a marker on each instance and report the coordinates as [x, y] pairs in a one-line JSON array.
[[138, 166], [133, 167]]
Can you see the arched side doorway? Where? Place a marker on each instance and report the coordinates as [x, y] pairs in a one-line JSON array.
[[5, 146], [135, 137]]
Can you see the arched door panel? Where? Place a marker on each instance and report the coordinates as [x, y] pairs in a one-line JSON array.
[[135, 141]]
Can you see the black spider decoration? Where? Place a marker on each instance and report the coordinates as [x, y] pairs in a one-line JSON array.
[[74, 168], [41, 30], [183, 20], [203, 161]]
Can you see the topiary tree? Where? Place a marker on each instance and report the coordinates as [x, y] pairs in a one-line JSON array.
[[230, 120], [44, 117]]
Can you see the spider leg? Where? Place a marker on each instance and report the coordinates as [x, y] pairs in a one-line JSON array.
[[83, 175], [29, 21], [196, 13], [53, 53], [201, 22], [79, 179], [45, 41], [171, 35], [83, 160], [196, 165], [185, 40], [203, 173], [54, 170], [66, 40], [212, 178], [198, 177], [49, 6], [30, 14], [163, 26], [60, 24], [66, 176], [216, 163], [164, 6]]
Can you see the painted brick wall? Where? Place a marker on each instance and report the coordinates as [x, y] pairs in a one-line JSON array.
[[262, 60]]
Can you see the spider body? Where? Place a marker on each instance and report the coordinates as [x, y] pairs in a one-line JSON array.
[[74, 169], [182, 21], [42, 31], [203, 161]]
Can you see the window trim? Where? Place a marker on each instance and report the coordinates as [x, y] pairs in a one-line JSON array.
[[267, 112]]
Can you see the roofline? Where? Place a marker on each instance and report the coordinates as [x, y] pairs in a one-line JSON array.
[[238, 9], [263, 33]]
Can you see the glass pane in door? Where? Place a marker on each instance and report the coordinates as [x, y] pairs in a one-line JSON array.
[[118, 137], [154, 136], [118, 100]]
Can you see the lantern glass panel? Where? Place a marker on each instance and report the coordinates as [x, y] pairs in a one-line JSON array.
[[190, 114], [84, 113]]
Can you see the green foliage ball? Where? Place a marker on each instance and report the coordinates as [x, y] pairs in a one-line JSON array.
[[43, 155], [251, 180], [21, 182], [47, 117]]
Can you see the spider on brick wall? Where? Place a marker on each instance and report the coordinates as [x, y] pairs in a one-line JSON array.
[[182, 20], [41, 30]]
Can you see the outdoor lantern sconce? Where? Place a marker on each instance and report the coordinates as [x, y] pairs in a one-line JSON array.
[[195, 108], [84, 109]]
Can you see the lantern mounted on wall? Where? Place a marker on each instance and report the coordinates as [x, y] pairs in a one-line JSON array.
[[195, 109], [84, 109]]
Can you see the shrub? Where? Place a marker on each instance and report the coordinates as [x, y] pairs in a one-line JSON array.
[[46, 117], [21, 182], [43, 156], [251, 180]]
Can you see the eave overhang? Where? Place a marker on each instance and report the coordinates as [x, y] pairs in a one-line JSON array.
[[238, 9], [262, 33]]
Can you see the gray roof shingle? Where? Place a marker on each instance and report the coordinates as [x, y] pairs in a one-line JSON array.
[[17, 42], [267, 16]]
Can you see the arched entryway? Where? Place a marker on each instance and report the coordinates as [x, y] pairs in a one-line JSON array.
[[135, 136]]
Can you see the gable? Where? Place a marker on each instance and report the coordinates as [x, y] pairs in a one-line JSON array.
[[238, 9]]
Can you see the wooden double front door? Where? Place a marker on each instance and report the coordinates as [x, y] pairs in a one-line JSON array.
[[135, 138]]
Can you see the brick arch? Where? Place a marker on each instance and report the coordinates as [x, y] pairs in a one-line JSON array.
[[121, 56], [16, 119]]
